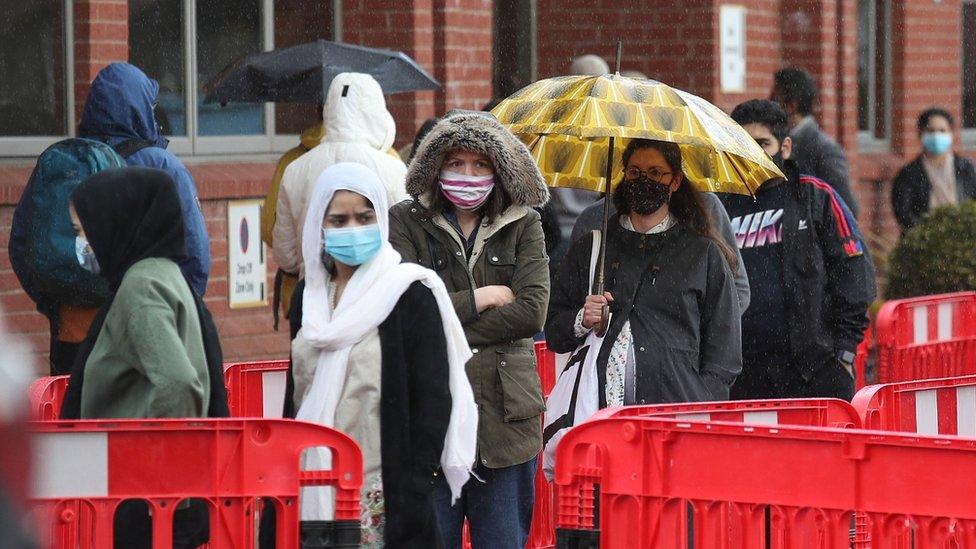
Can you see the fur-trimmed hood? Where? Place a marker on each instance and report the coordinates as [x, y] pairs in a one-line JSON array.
[[515, 170]]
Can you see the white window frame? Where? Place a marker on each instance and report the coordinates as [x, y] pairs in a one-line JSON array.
[[867, 140], [967, 134], [193, 144], [27, 146]]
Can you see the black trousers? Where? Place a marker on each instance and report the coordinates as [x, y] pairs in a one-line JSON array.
[[760, 380]]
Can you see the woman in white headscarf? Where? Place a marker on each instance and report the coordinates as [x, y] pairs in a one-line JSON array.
[[379, 355]]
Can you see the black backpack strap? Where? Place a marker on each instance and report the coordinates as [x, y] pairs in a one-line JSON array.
[[130, 147]]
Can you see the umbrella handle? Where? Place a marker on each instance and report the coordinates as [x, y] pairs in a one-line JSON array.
[[604, 325]]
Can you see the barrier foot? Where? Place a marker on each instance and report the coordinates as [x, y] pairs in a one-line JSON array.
[[577, 539], [323, 534]]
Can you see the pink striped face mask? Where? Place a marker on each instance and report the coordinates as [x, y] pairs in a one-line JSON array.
[[467, 192]]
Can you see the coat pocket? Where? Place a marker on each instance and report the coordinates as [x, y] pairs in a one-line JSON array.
[[501, 267], [521, 388]]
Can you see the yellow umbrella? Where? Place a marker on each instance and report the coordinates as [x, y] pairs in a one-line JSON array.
[[575, 126], [568, 122]]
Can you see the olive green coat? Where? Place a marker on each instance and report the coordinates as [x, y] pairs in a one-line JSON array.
[[510, 251]]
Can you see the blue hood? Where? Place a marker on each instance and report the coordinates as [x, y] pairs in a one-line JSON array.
[[120, 106]]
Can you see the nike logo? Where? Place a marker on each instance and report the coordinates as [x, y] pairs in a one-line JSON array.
[[803, 225]]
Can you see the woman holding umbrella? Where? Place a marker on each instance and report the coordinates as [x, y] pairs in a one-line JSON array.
[[674, 329], [471, 220]]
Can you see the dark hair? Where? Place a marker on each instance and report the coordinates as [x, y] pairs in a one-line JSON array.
[[687, 204], [421, 134], [765, 112], [796, 86], [327, 260], [498, 201], [927, 114]]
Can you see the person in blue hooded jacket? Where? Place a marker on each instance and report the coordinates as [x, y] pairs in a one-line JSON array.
[[119, 112]]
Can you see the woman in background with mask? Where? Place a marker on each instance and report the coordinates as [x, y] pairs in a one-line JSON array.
[[152, 350], [379, 355], [937, 177], [471, 220], [674, 329]]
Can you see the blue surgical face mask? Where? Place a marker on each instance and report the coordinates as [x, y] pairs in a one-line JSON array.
[[86, 256], [937, 142], [352, 245]]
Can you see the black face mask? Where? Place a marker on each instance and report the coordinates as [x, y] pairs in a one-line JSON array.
[[642, 195]]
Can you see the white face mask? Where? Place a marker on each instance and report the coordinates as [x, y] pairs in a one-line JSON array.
[[86, 256]]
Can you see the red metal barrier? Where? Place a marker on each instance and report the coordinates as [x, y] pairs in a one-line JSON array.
[[256, 389], [813, 412], [46, 395], [633, 482], [926, 337], [86, 468]]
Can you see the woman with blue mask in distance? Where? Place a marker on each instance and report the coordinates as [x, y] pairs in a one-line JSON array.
[[152, 350], [937, 177], [379, 354]]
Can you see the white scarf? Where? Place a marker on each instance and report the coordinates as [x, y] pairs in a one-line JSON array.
[[368, 299]]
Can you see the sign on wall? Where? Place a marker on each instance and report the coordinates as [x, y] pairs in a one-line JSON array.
[[732, 45], [246, 270]]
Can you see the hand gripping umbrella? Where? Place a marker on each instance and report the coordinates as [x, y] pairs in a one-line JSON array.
[[302, 74], [575, 127]]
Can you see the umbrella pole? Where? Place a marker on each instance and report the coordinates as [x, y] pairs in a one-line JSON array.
[[601, 269]]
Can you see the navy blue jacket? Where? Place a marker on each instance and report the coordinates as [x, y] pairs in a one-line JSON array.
[[119, 108]]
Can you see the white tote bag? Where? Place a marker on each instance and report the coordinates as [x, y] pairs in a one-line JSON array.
[[575, 397]]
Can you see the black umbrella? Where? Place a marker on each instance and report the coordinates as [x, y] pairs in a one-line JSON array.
[[301, 74]]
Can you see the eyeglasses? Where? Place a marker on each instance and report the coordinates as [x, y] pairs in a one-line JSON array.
[[653, 174]]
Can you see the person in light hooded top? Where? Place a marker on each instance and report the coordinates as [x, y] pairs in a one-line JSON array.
[[359, 129], [379, 355]]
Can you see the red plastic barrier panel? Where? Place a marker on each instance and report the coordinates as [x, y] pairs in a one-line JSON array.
[[85, 469], [931, 406], [814, 412], [649, 482], [543, 531], [46, 396], [256, 389], [926, 337], [861, 358]]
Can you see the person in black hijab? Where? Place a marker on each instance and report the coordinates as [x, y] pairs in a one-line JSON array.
[[152, 350]]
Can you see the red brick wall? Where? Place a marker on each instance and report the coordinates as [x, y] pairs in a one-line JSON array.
[[101, 29], [462, 53], [405, 25], [245, 334], [451, 39]]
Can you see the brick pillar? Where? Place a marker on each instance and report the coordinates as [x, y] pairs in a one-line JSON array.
[[462, 53], [809, 30], [101, 29], [406, 26], [926, 50]]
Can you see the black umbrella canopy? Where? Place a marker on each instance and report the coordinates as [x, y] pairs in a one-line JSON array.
[[302, 74]]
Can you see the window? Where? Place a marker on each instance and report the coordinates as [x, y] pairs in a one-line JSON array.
[[873, 69], [222, 31], [156, 45], [35, 106], [969, 64]]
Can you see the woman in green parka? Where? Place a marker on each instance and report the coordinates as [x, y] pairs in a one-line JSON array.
[[152, 350], [471, 220]]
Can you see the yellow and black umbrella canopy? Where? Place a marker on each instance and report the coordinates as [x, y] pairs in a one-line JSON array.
[[567, 123]]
